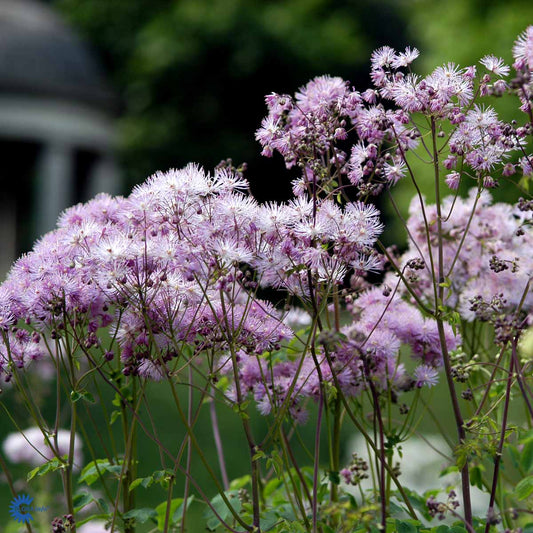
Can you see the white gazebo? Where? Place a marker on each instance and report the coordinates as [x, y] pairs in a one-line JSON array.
[[56, 124]]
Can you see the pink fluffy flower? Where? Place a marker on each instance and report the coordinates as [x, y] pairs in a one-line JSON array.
[[523, 50]]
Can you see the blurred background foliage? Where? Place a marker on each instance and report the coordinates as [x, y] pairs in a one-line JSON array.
[[463, 31], [192, 74]]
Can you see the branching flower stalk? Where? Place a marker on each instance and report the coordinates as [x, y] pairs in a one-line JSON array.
[[439, 284], [164, 287]]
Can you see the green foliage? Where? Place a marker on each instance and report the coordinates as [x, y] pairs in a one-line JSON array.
[[141, 516], [81, 500], [524, 488], [218, 506], [162, 477], [175, 514], [96, 469], [50, 466], [83, 394], [194, 66], [464, 31]]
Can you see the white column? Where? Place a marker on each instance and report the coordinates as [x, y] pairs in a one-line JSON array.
[[55, 184], [8, 231], [105, 177]]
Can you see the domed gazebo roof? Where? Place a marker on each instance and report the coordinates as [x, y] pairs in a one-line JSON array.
[[40, 56], [57, 124]]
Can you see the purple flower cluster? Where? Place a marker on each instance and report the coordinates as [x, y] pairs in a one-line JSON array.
[[486, 251], [300, 128], [382, 324], [308, 129], [163, 266], [523, 56], [321, 242], [178, 262], [367, 349]]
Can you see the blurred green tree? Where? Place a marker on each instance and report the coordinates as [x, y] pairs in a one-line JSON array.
[[463, 31], [192, 74]]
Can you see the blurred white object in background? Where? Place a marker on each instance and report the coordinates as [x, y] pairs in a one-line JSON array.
[[57, 131], [31, 448], [421, 464]]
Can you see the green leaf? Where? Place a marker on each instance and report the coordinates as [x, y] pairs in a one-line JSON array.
[[524, 488], [440, 529], [163, 477], [82, 499], [270, 520], [117, 400], [102, 502], [221, 508], [175, 513], [81, 395], [161, 511], [448, 470], [114, 415], [446, 283], [526, 458], [143, 481], [271, 486], [292, 527], [50, 466], [528, 528], [178, 513], [141, 515], [240, 482], [476, 476], [406, 526], [259, 455], [334, 477], [96, 468], [223, 384]]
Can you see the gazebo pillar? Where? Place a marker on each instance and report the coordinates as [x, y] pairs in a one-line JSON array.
[[54, 188], [8, 232], [105, 176]]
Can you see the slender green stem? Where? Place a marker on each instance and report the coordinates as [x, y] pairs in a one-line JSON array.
[[288, 450], [498, 454], [11, 486], [369, 440], [295, 488], [317, 460], [336, 448], [382, 458], [245, 423], [218, 444], [439, 301], [189, 455]]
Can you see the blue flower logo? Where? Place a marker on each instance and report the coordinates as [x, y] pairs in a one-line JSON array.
[[20, 508]]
